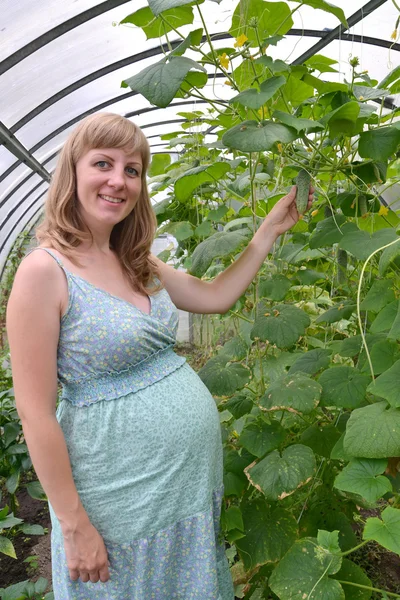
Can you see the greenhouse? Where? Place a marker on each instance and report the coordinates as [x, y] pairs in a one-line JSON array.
[[273, 220]]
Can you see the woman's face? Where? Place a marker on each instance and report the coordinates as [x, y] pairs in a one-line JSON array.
[[108, 185]]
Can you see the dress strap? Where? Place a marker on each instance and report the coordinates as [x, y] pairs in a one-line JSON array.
[[58, 261]]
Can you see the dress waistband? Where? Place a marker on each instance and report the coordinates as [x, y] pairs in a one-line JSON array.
[[112, 385]]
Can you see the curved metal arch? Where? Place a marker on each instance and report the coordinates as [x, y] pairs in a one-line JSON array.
[[15, 226], [56, 32], [326, 38]]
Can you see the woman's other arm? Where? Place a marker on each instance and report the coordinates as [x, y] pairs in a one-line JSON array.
[[33, 327], [198, 296]]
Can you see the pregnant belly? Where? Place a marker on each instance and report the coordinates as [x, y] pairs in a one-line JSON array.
[[146, 455]]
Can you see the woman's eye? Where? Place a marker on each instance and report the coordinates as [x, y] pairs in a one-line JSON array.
[[132, 171], [102, 164]]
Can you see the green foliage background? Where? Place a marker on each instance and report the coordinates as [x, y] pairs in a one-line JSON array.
[[307, 384]]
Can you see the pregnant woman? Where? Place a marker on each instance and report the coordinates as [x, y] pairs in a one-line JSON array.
[[131, 459]]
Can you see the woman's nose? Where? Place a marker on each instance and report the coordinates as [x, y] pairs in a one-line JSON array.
[[117, 179]]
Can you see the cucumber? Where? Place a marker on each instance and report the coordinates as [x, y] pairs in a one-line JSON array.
[[303, 189], [362, 205]]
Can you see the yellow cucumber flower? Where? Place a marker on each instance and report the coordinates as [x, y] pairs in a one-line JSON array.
[[240, 41], [224, 60], [383, 211]]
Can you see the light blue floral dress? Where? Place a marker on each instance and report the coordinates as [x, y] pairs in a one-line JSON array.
[[143, 436]]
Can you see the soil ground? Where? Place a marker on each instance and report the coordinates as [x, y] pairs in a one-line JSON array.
[[34, 512]]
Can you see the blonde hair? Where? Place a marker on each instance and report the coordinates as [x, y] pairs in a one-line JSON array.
[[63, 227]]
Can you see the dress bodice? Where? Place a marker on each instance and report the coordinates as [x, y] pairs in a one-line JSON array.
[[107, 345]]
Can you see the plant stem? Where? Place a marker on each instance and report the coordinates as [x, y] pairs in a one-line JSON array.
[[354, 549], [366, 587], [232, 312]]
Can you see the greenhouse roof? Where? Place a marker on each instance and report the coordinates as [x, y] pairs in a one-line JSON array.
[[61, 61]]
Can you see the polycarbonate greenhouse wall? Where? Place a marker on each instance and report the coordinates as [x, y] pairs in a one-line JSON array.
[[61, 61]]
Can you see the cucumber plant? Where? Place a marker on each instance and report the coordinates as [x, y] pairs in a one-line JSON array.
[[306, 384]]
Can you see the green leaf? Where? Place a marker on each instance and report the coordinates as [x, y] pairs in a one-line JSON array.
[[282, 326], [394, 333], [19, 448], [373, 432], [353, 344], [327, 232], [326, 87], [35, 490], [255, 136], [32, 529], [41, 585], [275, 287], [321, 63], [343, 119], [386, 531], [254, 98], [259, 437], [296, 91], [388, 256], [278, 476], [271, 17], [385, 319], [223, 380], [363, 477], [269, 533], [383, 356], [235, 349], [11, 433], [9, 521], [219, 245], [391, 81], [155, 27], [304, 573], [362, 93], [344, 310], [273, 40], [344, 387], [292, 392], [361, 244], [321, 438], [354, 575], [193, 178], [205, 229], [275, 66], [181, 230], [296, 123], [160, 82], [12, 482], [309, 277], [380, 294], [327, 517], [379, 144], [233, 518], [160, 6], [193, 39], [217, 213], [6, 547], [159, 162], [241, 404], [312, 361], [329, 540], [387, 386], [327, 7]]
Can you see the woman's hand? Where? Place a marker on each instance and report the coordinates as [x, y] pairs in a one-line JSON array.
[[86, 554], [284, 214]]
